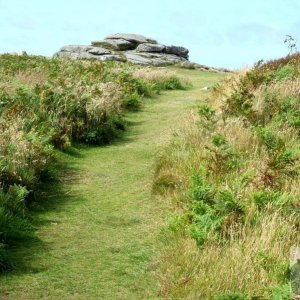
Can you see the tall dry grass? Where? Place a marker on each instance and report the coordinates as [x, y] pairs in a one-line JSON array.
[[251, 262]]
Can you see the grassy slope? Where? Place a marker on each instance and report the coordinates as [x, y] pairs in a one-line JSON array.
[[99, 231]]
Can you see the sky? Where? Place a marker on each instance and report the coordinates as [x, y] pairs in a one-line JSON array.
[[219, 33]]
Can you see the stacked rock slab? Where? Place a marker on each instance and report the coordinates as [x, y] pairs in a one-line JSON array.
[[86, 52], [133, 48]]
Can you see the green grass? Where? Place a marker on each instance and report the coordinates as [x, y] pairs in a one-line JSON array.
[[98, 228]]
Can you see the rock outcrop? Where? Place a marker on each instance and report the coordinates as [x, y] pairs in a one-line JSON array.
[[114, 44], [133, 48]]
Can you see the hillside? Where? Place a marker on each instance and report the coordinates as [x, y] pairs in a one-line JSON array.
[[121, 181], [232, 173]]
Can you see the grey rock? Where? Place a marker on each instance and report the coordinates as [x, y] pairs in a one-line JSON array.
[[80, 52], [159, 62], [147, 54], [171, 59], [115, 44], [135, 58], [99, 51], [177, 50], [86, 55], [188, 65], [147, 47], [157, 59], [75, 48], [203, 67], [224, 70], [64, 54], [73, 55], [111, 57], [134, 38], [174, 58]]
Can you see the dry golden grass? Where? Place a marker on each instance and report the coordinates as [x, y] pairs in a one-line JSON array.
[[156, 75], [285, 88], [107, 100], [31, 78], [224, 89], [20, 159], [242, 265], [22, 78]]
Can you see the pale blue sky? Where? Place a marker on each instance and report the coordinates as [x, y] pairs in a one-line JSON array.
[[227, 33]]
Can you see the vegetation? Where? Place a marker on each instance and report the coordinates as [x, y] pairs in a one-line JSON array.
[[45, 106], [233, 175], [231, 171], [98, 226]]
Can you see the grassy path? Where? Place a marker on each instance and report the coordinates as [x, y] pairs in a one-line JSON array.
[[98, 232]]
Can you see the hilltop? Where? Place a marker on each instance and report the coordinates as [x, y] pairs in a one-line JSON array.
[[133, 48]]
